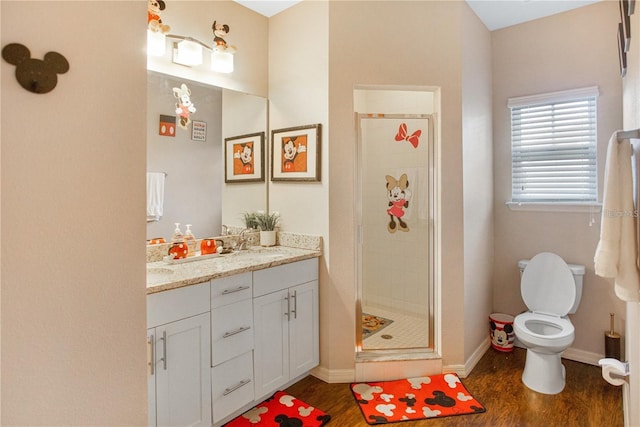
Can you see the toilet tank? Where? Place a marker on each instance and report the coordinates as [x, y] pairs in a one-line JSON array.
[[578, 274]]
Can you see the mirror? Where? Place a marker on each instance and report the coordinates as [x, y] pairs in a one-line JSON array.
[[194, 189]]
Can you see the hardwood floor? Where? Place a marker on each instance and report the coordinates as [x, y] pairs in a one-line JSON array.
[[587, 400]]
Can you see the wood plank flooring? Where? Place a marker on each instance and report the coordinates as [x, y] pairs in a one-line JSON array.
[[587, 400]]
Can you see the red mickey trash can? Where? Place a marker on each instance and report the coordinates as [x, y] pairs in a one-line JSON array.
[[501, 332]]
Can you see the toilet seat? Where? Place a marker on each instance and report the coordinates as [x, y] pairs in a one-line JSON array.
[[563, 325], [547, 285]]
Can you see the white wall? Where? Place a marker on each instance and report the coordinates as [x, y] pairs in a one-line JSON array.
[[544, 56], [244, 114], [73, 173], [477, 152]]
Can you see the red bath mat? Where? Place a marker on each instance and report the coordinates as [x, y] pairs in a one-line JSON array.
[[414, 399], [281, 409]]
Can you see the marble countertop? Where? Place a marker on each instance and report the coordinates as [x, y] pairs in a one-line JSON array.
[[162, 276]]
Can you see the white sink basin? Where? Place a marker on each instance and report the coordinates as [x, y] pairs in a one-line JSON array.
[[159, 273]]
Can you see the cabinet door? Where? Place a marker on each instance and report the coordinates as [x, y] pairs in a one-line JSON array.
[[183, 380], [303, 329], [271, 342]]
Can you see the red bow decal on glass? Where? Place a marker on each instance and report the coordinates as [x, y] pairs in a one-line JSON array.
[[402, 135]]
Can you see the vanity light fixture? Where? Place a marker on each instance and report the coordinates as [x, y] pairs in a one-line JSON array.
[[156, 43], [189, 51], [221, 61]]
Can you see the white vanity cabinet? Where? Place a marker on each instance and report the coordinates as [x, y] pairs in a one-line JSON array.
[[178, 337], [285, 314], [231, 344]]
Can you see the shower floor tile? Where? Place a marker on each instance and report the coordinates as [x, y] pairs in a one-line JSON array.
[[406, 331]]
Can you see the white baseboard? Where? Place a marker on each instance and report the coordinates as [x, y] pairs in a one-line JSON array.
[[464, 370], [587, 357], [576, 355], [334, 375]]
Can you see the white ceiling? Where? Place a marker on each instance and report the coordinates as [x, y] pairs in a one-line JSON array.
[[498, 14], [495, 14], [268, 8]]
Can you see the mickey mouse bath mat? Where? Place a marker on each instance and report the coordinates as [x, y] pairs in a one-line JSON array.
[[281, 410], [414, 399]]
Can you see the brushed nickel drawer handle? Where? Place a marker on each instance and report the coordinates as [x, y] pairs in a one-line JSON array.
[[235, 387], [164, 350], [238, 289], [151, 355], [237, 331]]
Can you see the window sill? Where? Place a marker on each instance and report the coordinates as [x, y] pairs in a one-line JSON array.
[[555, 207]]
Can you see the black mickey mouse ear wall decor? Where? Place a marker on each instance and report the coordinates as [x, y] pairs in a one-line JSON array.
[[35, 75]]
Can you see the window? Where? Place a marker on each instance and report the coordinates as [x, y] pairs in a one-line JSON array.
[[553, 147]]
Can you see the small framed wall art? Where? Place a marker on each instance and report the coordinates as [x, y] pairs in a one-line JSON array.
[[198, 131], [244, 158], [295, 153]]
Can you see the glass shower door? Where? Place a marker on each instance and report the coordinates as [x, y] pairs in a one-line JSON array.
[[395, 241]]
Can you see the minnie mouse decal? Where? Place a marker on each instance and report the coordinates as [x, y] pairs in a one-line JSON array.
[[184, 107], [398, 196]]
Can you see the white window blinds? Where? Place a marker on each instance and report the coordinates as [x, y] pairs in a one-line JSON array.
[[553, 147]]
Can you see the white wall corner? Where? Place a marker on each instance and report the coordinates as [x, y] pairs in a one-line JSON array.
[[334, 375], [464, 370]]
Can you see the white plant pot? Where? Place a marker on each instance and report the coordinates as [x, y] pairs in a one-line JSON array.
[[267, 238]]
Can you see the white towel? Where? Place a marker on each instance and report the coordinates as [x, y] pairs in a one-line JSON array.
[[616, 253], [155, 195]]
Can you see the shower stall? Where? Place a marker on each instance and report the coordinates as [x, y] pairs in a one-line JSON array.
[[395, 230]]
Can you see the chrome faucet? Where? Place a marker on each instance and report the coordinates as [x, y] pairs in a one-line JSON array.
[[225, 230], [242, 240]]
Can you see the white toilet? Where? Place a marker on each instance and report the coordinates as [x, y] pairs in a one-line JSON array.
[[551, 289]]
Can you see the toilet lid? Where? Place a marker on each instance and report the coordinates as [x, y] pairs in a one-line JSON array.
[[547, 285]]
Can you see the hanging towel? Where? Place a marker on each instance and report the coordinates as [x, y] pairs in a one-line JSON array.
[[155, 195], [616, 253]]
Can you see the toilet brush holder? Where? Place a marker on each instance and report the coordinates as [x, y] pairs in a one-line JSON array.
[[612, 341]]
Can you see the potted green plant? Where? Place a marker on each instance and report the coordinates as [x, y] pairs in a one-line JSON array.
[[249, 219], [267, 223]]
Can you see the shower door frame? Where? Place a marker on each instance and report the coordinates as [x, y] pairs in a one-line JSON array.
[[433, 185]]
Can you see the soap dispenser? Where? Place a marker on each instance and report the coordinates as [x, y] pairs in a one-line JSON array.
[[190, 240], [177, 236]]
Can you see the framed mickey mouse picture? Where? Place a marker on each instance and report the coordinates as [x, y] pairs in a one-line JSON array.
[[295, 153], [244, 158]]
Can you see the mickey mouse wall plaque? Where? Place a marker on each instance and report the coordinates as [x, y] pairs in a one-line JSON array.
[[35, 75]]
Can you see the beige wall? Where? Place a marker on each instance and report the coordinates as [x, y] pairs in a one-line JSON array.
[[422, 49], [248, 32], [298, 95], [242, 114], [631, 120], [73, 173], [477, 159], [570, 50]]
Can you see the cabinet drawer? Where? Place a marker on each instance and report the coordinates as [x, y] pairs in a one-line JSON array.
[[176, 304], [232, 385], [231, 331], [284, 276], [231, 289]]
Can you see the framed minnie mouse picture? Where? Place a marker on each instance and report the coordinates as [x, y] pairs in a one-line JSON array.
[[295, 153], [244, 158]]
